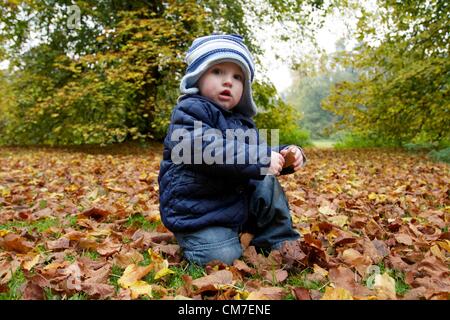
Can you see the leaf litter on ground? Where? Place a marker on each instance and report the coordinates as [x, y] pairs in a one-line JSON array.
[[76, 224]]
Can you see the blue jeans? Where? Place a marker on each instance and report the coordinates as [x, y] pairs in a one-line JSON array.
[[269, 220]]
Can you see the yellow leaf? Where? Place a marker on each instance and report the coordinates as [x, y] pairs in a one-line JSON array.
[[163, 272], [256, 295], [372, 196], [132, 274], [437, 252], [444, 245], [27, 265], [340, 220], [155, 257], [4, 232], [384, 286], [336, 294], [181, 297], [326, 210], [139, 288], [320, 270], [99, 233]]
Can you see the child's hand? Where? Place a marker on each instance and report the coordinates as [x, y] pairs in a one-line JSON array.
[[293, 157], [276, 163]]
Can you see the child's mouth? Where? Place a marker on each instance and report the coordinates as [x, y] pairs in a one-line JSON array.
[[225, 95]]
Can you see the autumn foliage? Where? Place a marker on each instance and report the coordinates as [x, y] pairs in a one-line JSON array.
[[86, 225]]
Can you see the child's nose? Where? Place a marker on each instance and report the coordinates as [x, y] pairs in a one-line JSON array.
[[228, 81]]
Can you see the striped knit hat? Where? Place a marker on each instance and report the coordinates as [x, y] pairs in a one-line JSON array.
[[210, 50]]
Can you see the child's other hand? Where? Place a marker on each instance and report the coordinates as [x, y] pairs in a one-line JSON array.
[[276, 163], [293, 157]]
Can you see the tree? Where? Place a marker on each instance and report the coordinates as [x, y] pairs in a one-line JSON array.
[[115, 76], [402, 93]]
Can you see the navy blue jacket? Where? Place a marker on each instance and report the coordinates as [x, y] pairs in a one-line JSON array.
[[195, 195]]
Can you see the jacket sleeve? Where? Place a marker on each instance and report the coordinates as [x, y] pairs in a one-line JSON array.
[[195, 142]]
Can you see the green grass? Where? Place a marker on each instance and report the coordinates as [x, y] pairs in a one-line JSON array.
[[49, 295], [139, 221], [175, 280], [116, 273], [14, 284], [70, 258], [299, 280], [72, 220], [440, 155], [323, 143], [78, 296], [93, 255], [40, 225], [401, 287]]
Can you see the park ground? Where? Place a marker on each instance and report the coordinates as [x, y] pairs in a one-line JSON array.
[[83, 223]]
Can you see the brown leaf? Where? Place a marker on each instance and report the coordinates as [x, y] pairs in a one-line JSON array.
[[403, 238], [169, 249], [95, 213], [354, 259], [301, 294], [108, 247], [98, 290], [14, 242], [73, 277], [245, 239], [33, 292], [127, 257], [415, 293], [344, 278], [292, 254], [213, 280], [371, 251], [343, 238], [242, 266], [397, 263], [7, 269], [275, 276], [100, 275], [61, 243]]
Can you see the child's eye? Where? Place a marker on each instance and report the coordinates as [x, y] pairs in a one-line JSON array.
[[216, 71], [238, 77]]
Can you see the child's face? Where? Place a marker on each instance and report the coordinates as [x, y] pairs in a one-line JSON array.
[[223, 83]]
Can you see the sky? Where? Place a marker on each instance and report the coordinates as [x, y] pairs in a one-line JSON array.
[[279, 71]]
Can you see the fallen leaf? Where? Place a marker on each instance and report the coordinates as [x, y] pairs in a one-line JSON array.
[[132, 274], [95, 213], [29, 264], [384, 286], [403, 239], [127, 257], [213, 280], [336, 294], [139, 288], [301, 294], [266, 293], [108, 247], [61, 243], [275, 276], [355, 259], [327, 210], [14, 242], [163, 272]]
